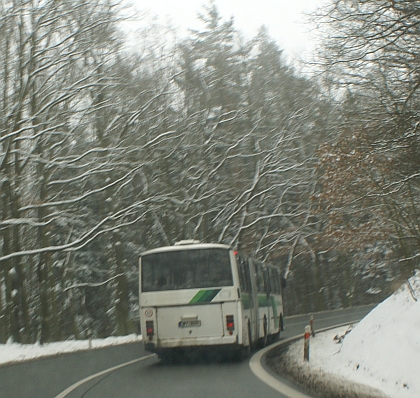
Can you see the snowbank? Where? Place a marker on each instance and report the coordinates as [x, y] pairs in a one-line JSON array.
[[13, 352], [382, 351]]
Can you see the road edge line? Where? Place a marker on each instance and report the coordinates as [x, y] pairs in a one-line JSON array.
[[68, 390], [272, 381]]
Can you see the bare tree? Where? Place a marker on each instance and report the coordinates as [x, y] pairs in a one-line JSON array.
[[52, 86], [371, 183]]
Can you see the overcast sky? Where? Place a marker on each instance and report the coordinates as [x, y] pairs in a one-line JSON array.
[[283, 18]]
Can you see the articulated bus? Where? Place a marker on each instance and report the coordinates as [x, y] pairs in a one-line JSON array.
[[206, 296]]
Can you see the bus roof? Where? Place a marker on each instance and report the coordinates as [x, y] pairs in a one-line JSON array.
[[186, 245]]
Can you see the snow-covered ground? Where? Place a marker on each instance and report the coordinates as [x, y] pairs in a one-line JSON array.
[[12, 352], [382, 351]]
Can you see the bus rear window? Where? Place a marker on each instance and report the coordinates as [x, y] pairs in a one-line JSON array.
[[186, 269]]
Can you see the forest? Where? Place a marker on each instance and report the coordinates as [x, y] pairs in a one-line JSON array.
[[107, 150]]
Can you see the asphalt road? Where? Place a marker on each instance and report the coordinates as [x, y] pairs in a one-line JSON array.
[[148, 377]]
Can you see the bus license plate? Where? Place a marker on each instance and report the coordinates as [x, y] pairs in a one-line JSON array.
[[189, 324]]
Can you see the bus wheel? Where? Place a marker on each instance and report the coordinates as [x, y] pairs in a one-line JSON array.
[[264, 339], [245, 351], [276, 335], [167, 357]]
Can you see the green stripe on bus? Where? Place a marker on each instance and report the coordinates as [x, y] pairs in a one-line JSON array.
[[197, 297], [204, 296], [262, 301], [246, 301]]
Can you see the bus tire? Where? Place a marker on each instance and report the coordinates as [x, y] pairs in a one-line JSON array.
[[264, 340], [167, 357], [245, 351], [276, 335]]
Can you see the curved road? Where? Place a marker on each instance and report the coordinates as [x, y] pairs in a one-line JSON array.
[[145, 375]]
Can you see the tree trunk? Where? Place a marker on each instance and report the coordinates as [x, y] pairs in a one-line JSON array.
[[122, 311]]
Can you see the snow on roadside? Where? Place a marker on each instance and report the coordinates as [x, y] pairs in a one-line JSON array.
[[382, 351], [13, 352]]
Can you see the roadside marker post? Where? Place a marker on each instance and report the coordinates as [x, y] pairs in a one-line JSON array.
[[311, 324], [307, 337]]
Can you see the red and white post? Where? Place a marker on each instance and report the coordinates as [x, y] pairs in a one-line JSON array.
[[307, 337], [311, 324]]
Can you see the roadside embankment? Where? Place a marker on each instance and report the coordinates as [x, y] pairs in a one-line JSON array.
[[287, 361]]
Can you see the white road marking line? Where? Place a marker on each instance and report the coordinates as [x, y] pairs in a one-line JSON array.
[[265, 377], [79, 383]]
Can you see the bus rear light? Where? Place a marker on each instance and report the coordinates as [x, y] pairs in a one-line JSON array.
[[230, 323], [150, 330]]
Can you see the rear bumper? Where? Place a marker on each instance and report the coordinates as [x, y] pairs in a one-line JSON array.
[[190, 343]]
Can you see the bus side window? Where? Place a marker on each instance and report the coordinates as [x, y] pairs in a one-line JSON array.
[[247, 276], [275, 280], [257, 277], [260, 277], [241, 274], [267, 281], [278, 282], [244, 279]]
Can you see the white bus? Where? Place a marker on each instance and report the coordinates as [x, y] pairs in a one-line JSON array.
[[196, 296]]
